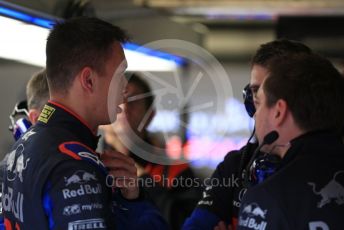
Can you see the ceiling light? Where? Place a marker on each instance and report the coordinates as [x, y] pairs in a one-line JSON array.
[[24, 38]]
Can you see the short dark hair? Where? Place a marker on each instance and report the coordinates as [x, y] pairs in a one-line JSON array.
[[77, 43], [135, 78], [312, 88], [37, 91], [278, 48]]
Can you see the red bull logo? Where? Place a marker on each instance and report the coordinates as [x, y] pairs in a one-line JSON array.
[[253, 217], [80, 177], [16, 164], [332, 191]]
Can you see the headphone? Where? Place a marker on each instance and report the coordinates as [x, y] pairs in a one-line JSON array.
[[248, 100], [19, 120], [262, 167], [255, 166]]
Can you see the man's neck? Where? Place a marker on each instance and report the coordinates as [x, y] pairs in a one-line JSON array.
[[283, 143], [77, 110]]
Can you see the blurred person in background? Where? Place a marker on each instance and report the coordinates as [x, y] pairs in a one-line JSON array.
[[25, 113], [175, 200], [219, 207], [37, 95]]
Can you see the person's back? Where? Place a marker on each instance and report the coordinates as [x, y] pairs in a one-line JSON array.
[[34, 166]]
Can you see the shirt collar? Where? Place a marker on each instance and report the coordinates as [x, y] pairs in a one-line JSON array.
[[313, 143], [56, 114]]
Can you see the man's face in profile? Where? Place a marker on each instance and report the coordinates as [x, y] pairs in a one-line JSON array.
[[263, 116], [112, 85]]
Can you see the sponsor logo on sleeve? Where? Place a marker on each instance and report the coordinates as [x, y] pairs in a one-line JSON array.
[[78, 208], [71, 210], [87, 224], [253, 217], [91, 157], [80, 151], [82, 179], [28, 134], [46, 113], [90, 207], [16, 164]]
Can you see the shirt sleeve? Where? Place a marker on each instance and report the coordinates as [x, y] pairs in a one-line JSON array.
[[216, 203], [76, 197], [201, 219], [139, 213]]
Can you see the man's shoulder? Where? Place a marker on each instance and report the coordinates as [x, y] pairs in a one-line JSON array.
[[44, 137], [297, 181], [47, 147], [51, 140], [234, 157], [314, 182], [81, 152], [41, 144]]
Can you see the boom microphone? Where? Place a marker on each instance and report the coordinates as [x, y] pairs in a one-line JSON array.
[[268, 139]]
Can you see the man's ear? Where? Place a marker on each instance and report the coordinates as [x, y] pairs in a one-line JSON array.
[[87, 79], [33, 115], [280, 112]]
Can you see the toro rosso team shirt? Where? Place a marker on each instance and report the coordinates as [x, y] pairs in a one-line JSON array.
[[306, 193], [54, 179]]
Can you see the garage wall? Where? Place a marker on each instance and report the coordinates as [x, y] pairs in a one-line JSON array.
[[13, 79]]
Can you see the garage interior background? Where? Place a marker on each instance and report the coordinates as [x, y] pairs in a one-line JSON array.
[[228, 29]]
